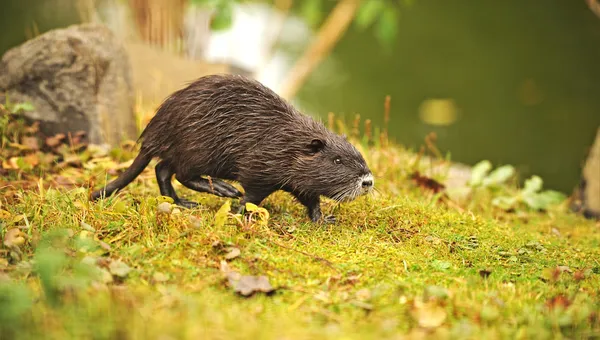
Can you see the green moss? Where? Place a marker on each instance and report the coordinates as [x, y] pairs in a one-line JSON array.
[[394, 263]]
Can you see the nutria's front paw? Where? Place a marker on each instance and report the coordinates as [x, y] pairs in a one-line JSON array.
[[186, 204], [330, 219]]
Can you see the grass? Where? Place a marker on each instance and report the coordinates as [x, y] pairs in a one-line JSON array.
[[400, 263]]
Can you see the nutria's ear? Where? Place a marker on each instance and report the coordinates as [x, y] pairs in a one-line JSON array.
[[344, 136], [315, 146]]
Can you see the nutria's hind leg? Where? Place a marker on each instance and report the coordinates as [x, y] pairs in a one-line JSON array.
[[217, 187], [163, 177]]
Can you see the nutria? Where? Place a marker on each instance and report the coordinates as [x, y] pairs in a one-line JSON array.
[[228, 127]]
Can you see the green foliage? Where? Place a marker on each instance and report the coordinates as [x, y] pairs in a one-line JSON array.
[[382, 16], [223, 15], [15, 300], [312, 11], [481, 176], [530, 196], [15, 108], [495, 181], [397, 263]]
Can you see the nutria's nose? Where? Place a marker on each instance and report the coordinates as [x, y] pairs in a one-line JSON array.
[[367, 183]]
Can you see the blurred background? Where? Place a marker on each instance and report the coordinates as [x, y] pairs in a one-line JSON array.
[[514, 82]]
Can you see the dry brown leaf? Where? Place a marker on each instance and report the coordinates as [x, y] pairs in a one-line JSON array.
[[160, 277], [232, 254], [55, 140], [32, 159], [560, 301], [246, 285], [33, 128], [14, 238], [30, 142], [363, 294], [428, 314]]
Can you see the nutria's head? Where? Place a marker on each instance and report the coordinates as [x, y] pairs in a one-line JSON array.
[[331, 166]]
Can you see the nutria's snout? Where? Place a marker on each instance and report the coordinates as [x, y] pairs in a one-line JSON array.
[[366, 183]]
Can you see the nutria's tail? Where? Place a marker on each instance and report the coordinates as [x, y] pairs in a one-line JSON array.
[[139, 164]]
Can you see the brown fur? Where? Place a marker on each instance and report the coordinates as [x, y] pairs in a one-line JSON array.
[[233, 128]]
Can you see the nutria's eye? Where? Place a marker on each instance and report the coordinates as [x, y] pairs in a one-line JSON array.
[[337, 161]]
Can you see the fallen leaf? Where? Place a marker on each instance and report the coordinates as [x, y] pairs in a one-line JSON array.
[[428, 314], [579, 275], [441, 265], [32, 159], [425, 182], [105, 276], [160, 277], [248, 285], [558, 301], [164, 207], [104, 245], [363, 294], [18, 146], [262, 212], [233, 253], [195, 221], [119, 268], [564, 269], [87, 227], [4, 214], [64, 181], [221, 215], [245, 285], [30, 142], [55, 140], [14, 238], [33, 128]]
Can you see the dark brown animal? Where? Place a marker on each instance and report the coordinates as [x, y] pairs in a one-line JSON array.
[[234, 128]]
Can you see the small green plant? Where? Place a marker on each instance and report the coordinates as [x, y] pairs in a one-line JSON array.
[[481, 177], [530, 196]]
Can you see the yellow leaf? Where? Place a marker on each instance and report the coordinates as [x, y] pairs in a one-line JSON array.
[[161, 199], [4, 214], [221, 215], [120, 207], [251, 207]]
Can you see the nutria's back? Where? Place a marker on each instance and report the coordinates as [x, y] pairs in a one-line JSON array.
[[230, 122]]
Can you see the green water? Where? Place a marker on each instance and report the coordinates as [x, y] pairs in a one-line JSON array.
[[478, 53]]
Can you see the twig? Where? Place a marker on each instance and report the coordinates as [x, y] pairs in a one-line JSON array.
[[594, 6], [314, 257], [331, 31]]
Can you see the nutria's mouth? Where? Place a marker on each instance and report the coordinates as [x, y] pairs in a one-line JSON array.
[[363, 186]]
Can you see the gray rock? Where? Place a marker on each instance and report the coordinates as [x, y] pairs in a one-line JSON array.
[[77, 78]]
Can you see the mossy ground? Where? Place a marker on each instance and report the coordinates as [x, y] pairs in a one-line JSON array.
[[396, 264]]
